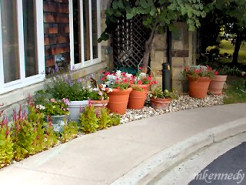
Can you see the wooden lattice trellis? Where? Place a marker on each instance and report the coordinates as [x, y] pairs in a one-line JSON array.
[[128, 42]]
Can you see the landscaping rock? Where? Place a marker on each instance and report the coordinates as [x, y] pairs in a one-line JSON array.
[[184, 102]]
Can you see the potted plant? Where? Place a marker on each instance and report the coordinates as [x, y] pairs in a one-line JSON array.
[[117, 86], [57, 110], [161, 99], [199, 79], [98, 99], [140, 87], [64, 86], [217, 84]]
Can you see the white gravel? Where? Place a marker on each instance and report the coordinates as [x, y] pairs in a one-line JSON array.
[[184, 102]]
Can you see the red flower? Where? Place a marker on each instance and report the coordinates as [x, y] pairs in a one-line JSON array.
[[140, 82], [101, 71], [216, 72], [118, 88], [126, 80], [107, 73], [140, 68], [103, 79]]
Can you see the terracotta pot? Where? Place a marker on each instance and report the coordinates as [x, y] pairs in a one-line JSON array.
[[198, 87], [160, 103], [118, 100], [99, 104], [137, 98], [217, 84]]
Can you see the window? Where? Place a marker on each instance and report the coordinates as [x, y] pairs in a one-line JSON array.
[[21, 43], [84, 32]]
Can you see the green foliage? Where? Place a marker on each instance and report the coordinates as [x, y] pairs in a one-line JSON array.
[[158, 93], [115, 119], [104, 119], [158, 14], [235, 92], [97, 94], [51, 137], [66, 87], [70, 131], [6, 143], [54, 107], [197, 71], [89, 120]]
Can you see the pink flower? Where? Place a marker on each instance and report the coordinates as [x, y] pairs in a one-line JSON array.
[[216, 72], [52, 100]]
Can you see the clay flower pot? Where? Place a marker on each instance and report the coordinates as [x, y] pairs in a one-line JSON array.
[[99, 104], [217, 84], [118, 100], [160, 103], [198, 87], [137, 97]]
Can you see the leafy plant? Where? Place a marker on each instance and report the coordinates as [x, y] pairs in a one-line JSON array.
[[158, 93], [117, 80], [51, 137], [115, 119], [70, 131], [158, 16], [89, 120], [197, 71], [64, 86], [97, 94], [143, 78], [54, 107], [104, 119], [6, 143]]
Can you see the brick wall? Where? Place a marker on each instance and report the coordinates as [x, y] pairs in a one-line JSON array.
[[56, 31]]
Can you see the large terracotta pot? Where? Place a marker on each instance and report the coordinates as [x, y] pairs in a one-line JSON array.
[[160, 103], [118, 100], [198, 87], [137, 97], [99, 104], [217, 84]]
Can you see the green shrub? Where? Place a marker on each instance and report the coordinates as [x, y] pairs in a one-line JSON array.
[[89, 120], [6, 143], [70, 131], [115, 119], [104, 119]]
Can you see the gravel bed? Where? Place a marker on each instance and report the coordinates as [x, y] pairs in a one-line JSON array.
[[184, 102]]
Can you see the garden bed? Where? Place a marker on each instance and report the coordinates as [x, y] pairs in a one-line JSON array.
[[182, 103]]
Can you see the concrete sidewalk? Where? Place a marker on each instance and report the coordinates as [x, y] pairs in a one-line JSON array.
[[107, 155]]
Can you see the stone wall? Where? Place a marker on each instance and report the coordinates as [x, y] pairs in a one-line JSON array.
[[182, 54]]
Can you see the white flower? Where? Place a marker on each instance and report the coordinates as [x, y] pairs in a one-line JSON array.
[[111, 78], [142, 75], [118, 73], [40, 107], [95, 89], [129, 75], [103, 86]]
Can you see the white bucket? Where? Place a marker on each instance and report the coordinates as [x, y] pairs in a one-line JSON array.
[[75, 109]]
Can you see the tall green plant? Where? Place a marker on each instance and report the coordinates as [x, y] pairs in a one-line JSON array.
[[6, 143], [89, 120]]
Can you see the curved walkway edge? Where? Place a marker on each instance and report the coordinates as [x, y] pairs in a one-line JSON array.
[[148, 171]]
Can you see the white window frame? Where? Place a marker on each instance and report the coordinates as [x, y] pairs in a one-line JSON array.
[[25, 81], [92, 61]]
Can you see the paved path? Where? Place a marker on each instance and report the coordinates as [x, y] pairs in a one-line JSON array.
[[103, 157]]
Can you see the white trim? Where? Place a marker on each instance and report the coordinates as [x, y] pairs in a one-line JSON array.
[[21, 45], [40, 37], [1, 54], [91, 61], [23, 81], [90, 32], [82, 54], [71, 34]]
